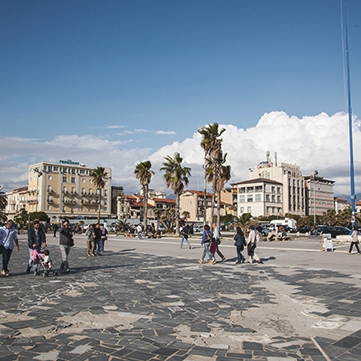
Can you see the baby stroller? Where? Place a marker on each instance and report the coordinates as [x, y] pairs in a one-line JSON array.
[[43, 260]]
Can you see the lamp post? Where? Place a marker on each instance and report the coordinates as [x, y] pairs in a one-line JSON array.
[[39, 173]]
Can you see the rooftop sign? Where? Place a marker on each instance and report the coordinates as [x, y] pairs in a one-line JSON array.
[[69, 161]]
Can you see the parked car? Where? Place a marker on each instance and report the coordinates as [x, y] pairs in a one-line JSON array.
[[305, 229], [337, 231]]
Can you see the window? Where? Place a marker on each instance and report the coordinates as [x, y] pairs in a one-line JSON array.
[[73, 171], [64, 190], [267, 198], [241, 198], [273, 189], [258, 198], [250, 189], [64, 179], [90, 191], [241, 210], [81, 171], [83, 180], [49, 168], [250, 198], [258, 189], [83, 191], [242, 190], [56, 169], [249, 209], [90, 181], [72, 190], [72, 179], [50, 188], [50, 177]]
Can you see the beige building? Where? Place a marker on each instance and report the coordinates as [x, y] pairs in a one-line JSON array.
[[192, 201], [319, 195], [290, 175], [63, 189]]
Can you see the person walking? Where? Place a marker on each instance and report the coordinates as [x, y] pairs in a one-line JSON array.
[[91, 247], [104, 237], [239, 242], [252, 244], [206, 239], [354, 240], [217, 237], [66, 241], [139, 230], [8, 239], [55, 228], [184, 231], [98, 238], [36, 239]]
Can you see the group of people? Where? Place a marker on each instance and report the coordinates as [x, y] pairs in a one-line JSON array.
[[96, 237], [211, 241]]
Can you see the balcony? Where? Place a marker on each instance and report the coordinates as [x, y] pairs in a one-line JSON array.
[[32, 201], [69, 201]]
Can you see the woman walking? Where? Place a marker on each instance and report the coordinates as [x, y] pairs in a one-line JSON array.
[[206, 239], [354, 240], [239, 242]]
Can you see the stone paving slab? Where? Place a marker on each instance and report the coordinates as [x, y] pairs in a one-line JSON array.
[[129, 306]]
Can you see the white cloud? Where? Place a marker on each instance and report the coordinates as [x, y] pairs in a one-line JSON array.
[[116, 126], [164, 132], [313, 142]]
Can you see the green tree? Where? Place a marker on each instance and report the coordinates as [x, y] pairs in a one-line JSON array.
[[144, 174], [22, 217], [244, 220], [100, 177], [3, 204], [211, 143], [176, 178], [166, 218]]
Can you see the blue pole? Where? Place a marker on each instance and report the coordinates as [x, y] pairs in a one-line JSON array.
[[349, 108]]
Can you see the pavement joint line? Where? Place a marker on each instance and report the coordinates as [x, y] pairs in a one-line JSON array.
[[320, 349]]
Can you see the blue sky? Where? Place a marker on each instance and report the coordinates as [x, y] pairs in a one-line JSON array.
[[144, 75]]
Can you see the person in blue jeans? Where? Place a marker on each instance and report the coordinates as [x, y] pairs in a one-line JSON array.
[[185, 234], [98, 238], [9, 240], [206, 239]]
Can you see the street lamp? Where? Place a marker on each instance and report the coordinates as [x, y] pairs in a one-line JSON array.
[[39, 173]]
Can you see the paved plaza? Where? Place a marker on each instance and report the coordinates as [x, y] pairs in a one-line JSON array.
[[151, 300]]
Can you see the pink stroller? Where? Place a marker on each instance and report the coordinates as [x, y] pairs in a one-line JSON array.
[[43, 260]]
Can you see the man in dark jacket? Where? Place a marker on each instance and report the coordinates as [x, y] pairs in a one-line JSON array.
[[65, 241], [36, 239]]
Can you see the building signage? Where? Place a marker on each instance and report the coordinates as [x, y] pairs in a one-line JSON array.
[[69, 161]]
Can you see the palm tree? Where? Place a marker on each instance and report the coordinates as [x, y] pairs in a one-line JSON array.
[[3, 203], [176, 177], [144, 174], [100, 177], [212, 145], [224, 175]]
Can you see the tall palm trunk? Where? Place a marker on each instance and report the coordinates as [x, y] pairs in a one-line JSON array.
[[99, 204], [205, 191], [145, 206], [177, 203]]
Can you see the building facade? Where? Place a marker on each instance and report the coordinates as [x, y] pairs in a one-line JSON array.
[[290, 175], [319, 195], [66, 190], [259, 197]]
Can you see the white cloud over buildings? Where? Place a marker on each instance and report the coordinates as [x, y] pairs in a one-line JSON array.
[[313, 142]]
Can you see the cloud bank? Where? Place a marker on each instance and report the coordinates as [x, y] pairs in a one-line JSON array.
[[313, 142]]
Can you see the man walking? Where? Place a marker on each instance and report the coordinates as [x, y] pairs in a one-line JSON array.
[[217, 237]]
